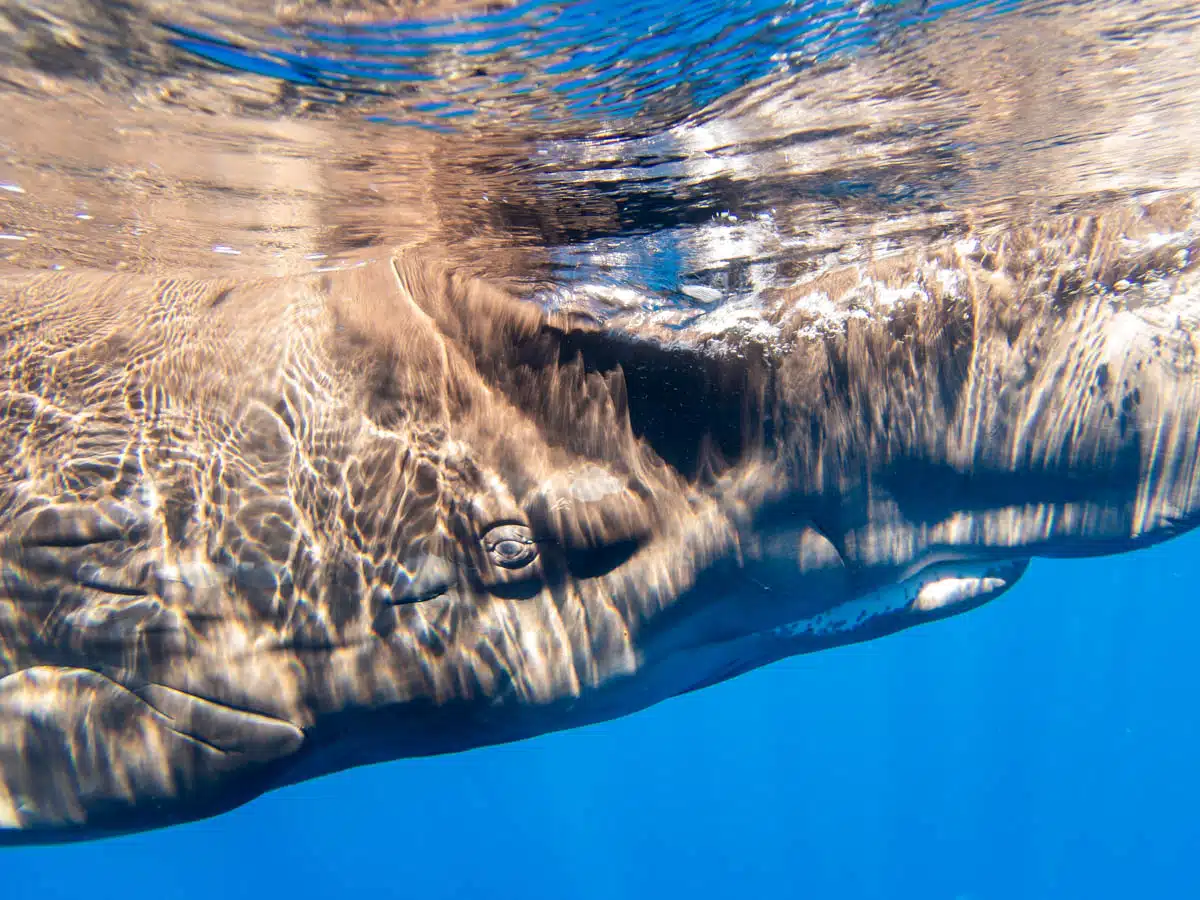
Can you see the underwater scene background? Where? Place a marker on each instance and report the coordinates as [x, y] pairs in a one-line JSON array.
[[679, 164]]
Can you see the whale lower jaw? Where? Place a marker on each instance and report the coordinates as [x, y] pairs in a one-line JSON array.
[[935, 591], [932, 593]]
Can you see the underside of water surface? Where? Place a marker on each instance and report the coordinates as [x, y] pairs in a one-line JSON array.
[[686, 163]]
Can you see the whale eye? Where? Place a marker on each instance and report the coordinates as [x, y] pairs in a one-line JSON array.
[[511, 546]]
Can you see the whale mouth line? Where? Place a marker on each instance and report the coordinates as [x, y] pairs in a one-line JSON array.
[[933, 592]]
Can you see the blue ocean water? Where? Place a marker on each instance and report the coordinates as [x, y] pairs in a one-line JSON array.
[[1043, 746]]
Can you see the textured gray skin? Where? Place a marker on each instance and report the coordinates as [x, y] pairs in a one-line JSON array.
[[253, 533]]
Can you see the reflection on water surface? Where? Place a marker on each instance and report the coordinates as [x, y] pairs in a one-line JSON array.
[[657, 156]]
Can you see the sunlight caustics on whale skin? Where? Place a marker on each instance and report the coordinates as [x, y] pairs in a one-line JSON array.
[[254, 532], [294, 477]]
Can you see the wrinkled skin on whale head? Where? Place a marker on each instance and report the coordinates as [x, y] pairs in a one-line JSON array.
[[256, 532]]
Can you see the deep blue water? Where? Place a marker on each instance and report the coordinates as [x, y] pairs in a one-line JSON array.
[[1043, 746]]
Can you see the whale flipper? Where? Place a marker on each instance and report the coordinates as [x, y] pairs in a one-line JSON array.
[[77, 746]]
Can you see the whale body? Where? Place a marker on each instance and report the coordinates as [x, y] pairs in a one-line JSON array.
[[253, 532]]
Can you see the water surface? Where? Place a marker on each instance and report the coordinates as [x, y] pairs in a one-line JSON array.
[[682, 165]]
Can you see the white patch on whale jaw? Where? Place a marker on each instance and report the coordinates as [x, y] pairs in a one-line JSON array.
[[935, 589], [952, 591]]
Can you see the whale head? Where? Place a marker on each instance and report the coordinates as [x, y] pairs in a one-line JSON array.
[[392, 511]]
